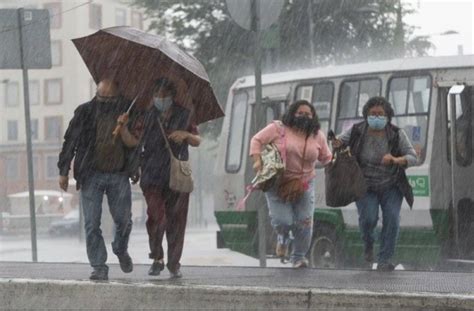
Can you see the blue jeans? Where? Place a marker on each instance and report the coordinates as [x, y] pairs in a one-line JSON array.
[[117, 189], [296, 217], [390, 202]]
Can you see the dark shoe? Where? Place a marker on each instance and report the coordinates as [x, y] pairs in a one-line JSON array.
[[176, 274], [385, 267], [126, 263], [99, 274], [156, 267], [369, 254], [281, 249]]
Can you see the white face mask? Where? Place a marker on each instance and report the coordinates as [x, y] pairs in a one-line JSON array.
[[162, 104]]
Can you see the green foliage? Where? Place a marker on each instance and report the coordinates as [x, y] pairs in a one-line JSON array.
[[343, 32]]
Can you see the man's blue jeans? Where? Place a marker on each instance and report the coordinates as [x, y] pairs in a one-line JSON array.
[[117, 189], [296, 217], [390, 202]]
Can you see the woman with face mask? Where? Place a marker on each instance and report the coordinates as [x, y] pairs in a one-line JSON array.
[[301, 144], [166, 209], [383, 152]]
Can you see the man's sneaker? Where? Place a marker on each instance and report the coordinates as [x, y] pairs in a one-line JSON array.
[[156, 267], [369, 254], [126, 263], [302, 263], [99, 274], [385, 267], [281, 249], [176, 274]]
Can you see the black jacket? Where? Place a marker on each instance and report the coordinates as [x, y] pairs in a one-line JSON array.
[[155, 163], [79, 143], [356, 141]]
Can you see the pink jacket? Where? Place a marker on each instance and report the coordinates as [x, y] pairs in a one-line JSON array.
[[317, 149]]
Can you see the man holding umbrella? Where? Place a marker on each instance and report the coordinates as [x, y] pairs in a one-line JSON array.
[[102, 164]]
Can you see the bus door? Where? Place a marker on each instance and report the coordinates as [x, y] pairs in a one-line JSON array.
[[459, 122]]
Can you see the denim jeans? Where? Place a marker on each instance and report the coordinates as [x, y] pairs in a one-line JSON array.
[[390, 202], [117, 189], [296, 217]]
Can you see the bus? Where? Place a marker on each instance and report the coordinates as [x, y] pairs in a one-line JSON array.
[[430, 96]]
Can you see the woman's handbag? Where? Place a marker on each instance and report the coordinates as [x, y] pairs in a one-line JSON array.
[[180, 171], [345, 182], [273, 166]]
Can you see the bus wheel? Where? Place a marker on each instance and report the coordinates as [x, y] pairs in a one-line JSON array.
[[322, 253]]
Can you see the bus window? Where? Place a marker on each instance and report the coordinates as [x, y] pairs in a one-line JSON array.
[[419, 99], [269, 114], [410, 99], [353, 96], [304, 92], [321, 96], [235, 142], [322, 99], [348, 104], [398, 95], [463, 131], [273, 110]]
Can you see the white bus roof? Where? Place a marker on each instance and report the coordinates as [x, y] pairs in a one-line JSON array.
[[394, 65]]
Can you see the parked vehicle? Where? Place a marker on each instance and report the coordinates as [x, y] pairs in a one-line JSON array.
[[68, 225]]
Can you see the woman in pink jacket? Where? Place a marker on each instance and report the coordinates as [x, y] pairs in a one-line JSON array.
[[301, 144]]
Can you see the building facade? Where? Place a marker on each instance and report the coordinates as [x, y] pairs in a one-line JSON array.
[[54, 93]]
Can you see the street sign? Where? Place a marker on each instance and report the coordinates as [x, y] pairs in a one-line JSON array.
[[241, 12], [35, 37]]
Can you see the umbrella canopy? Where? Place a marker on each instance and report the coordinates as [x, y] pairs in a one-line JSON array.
[[136, 59]]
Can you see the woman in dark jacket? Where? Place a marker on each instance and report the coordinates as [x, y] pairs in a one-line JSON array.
[[383, 152], [167, 210]]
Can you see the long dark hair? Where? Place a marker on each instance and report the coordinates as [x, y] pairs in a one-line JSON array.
[[289, 118], [378, 101]]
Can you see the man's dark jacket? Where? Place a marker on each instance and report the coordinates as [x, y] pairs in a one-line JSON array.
[[80, 138]]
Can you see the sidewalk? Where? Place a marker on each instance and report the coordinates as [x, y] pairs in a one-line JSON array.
[[65, 286]]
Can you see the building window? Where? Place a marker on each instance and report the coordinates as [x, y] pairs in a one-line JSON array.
[[137, 20], [53, 127], [120, 17], [11, 168], [12, 94], [53, 90], [95, 16], [34, 92], [52, 171], [56, 53], [55, 14], [34, 129], [12, 130], [35, 167]]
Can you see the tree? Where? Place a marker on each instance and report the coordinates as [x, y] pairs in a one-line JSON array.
[[344, 31]]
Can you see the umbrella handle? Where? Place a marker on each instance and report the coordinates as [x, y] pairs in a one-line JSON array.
[[118, 127]]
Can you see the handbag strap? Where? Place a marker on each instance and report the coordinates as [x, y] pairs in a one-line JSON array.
[[304, 154], [281, 131], [166, 139]]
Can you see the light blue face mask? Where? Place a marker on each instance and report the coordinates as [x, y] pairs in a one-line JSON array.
[[162, 104], [377, 122]]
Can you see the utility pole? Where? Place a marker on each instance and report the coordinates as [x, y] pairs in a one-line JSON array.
[[311, 31], [259, 115]]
